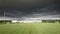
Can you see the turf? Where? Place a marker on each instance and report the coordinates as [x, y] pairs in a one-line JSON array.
[[42, 28]]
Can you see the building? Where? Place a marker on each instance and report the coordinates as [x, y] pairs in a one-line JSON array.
[[29, 20]]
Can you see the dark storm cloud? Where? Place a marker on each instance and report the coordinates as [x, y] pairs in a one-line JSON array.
[[42, 12], [13, 13], [1, 13], [21, 8]]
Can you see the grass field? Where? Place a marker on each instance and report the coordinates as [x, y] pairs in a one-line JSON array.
[[43, 28]]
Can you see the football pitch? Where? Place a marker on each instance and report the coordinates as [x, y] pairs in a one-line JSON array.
[[42, 28]]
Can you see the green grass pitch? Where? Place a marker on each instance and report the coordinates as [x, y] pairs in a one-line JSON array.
[[42, 28]]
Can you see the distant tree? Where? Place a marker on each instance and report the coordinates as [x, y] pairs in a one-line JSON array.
[[5, 21]]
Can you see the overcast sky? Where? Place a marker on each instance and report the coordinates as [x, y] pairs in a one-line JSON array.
[[29, 8]]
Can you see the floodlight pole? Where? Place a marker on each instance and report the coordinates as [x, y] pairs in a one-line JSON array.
[[4, 16]]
